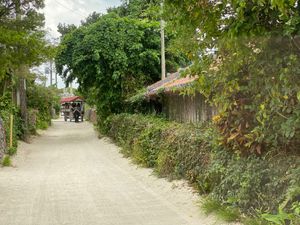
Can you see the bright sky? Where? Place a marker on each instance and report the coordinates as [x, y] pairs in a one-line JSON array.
[[70, 12]]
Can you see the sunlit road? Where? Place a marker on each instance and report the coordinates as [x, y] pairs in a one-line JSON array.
[[69, 176]]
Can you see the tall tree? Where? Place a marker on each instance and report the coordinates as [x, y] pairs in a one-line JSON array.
[[143, 9], [21, 37], [115, 56], [64, 29], [21, 44], [92, 18]]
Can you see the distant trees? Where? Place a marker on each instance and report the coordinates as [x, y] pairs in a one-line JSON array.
[[114, 56], [64, 29]]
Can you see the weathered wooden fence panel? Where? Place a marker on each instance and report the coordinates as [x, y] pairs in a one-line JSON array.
[[183, 108]]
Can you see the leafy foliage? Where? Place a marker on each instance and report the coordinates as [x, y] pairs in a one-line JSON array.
[[6, 109], [142, 9], [41, 100], [22, 46], [251, 184], [21, 37], [229, 214], [115, 56], [6, 161], [64, 29], [12, 151], [245, 54]]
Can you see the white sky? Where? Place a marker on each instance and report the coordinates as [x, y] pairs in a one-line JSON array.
[[71, 12]]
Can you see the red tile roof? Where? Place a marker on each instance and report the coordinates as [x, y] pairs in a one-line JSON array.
[[172, 81], [71, 99]]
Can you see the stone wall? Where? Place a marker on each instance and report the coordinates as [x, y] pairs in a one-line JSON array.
[[2, 138]]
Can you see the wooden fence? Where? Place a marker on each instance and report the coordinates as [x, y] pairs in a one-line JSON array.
[[183, 108]]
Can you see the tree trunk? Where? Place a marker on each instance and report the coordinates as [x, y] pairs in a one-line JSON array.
[[21, 100], [23, 108]]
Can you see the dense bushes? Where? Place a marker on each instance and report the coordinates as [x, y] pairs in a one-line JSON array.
[[6, 108], [254, 185], [249, 67], [40, 101]]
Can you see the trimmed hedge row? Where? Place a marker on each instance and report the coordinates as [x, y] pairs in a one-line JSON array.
[[254, 185]]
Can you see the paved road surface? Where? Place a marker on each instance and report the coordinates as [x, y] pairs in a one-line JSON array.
[[67, 176]]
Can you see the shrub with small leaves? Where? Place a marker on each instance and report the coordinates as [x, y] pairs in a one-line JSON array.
[[12, 151], [251, 184], [6, 161]]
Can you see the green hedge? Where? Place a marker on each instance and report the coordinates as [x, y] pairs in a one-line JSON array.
[[6, 108], [254, 185]]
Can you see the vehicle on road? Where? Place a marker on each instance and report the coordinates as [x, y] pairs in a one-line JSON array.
[[72, 108]]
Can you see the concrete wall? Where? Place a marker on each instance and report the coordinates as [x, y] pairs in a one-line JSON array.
[[184, 108]]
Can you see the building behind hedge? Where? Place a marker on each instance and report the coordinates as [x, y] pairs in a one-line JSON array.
[[175, 104]]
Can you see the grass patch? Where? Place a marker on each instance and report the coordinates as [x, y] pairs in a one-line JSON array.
[[12, 151], [6, 161], [210, 206], [254, 221], [228, 214], [43, 125]]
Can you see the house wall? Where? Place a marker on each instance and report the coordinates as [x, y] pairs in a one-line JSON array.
[[184, 108]]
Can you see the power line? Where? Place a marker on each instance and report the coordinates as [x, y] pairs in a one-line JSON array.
[[72, 10]]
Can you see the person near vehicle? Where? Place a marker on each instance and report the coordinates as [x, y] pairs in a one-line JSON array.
[[76, 112]]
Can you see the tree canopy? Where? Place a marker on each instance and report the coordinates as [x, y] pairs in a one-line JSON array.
[[21, 36], [22, 46], [245, 54], [114, 57]]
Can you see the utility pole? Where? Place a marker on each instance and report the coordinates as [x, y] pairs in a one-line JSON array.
[[51, 72], [162, 37], [55, 79], [71, 87], [11, 126]]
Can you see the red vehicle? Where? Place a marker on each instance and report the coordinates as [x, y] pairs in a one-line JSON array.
[[72, 108]]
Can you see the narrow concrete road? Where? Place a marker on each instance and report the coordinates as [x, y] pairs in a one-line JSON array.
[[69, 176]]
